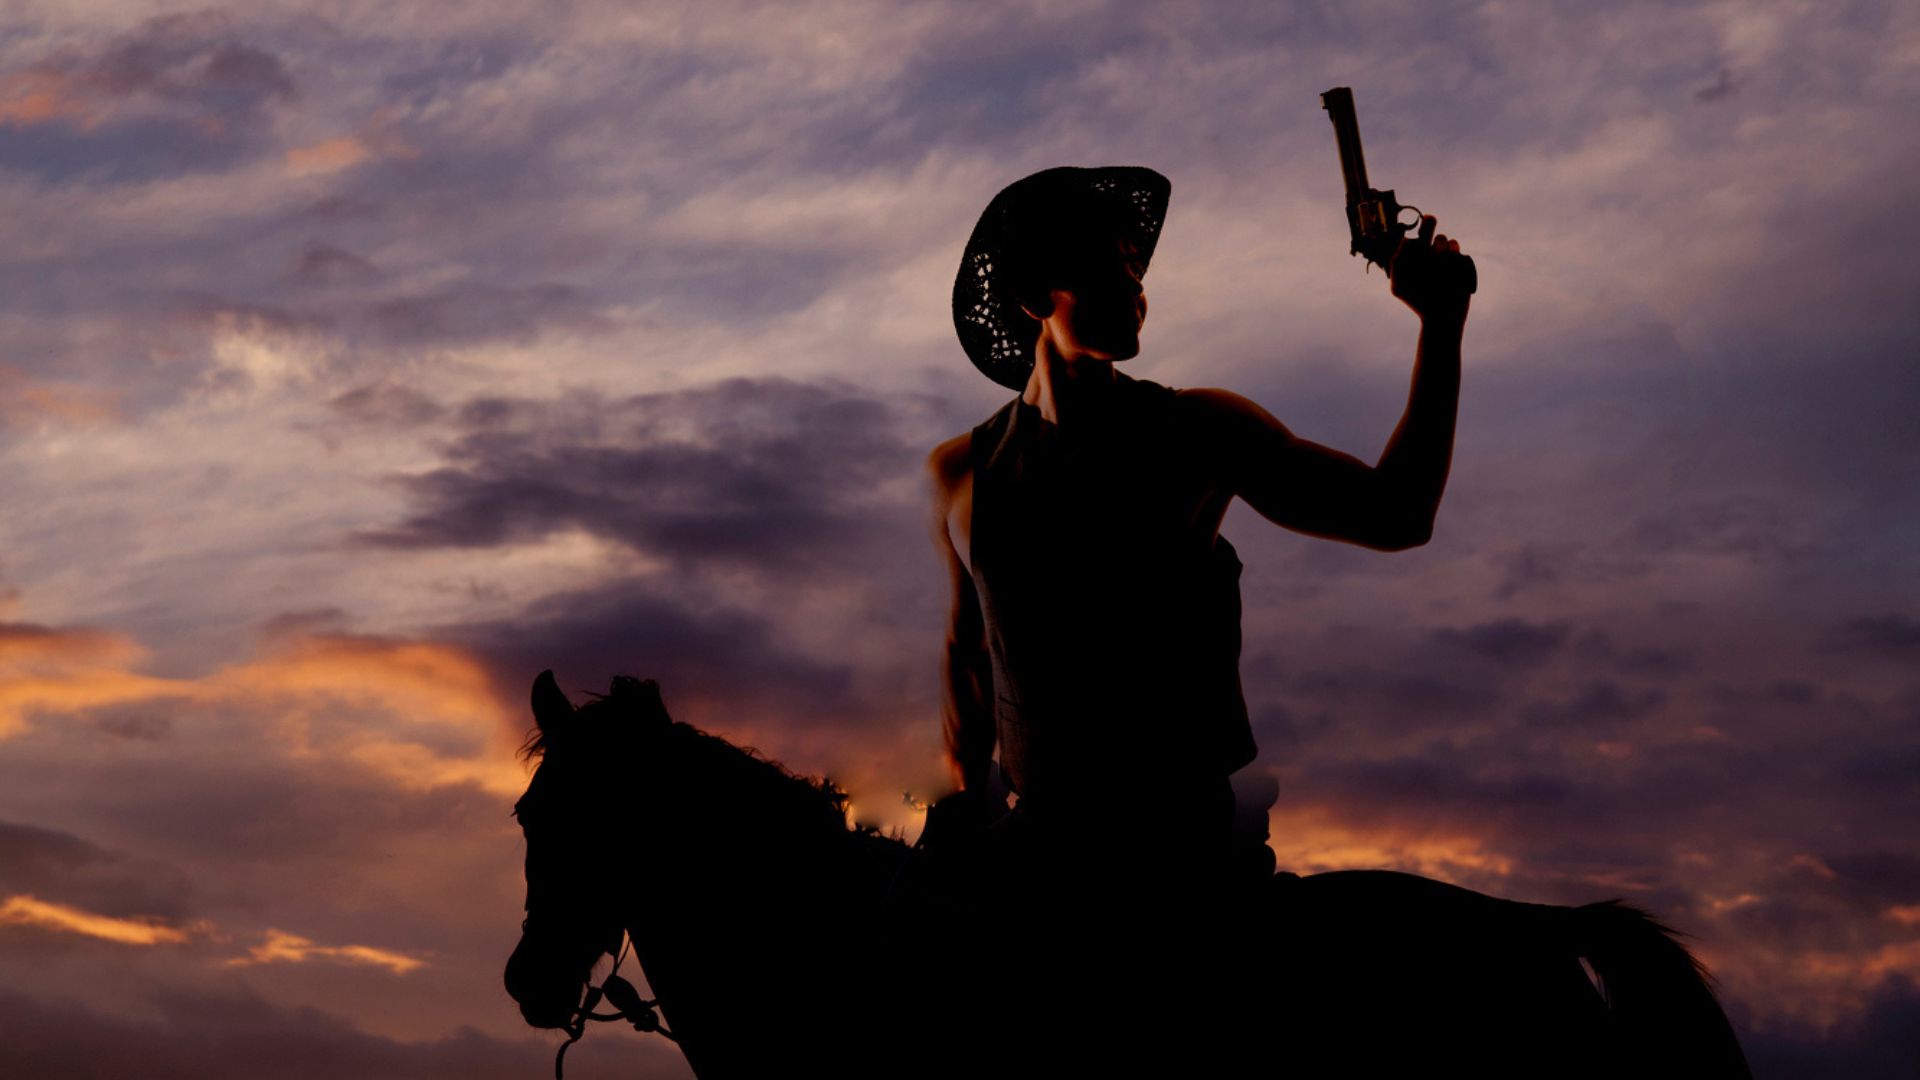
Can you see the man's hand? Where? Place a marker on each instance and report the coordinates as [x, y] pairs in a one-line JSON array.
[[1430, 275], [961, 817]]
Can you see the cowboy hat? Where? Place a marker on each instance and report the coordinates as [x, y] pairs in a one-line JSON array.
[[1012, 235]]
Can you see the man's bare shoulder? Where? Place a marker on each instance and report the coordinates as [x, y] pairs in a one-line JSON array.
[[1213, 403], [950, 465], [1223, 412]]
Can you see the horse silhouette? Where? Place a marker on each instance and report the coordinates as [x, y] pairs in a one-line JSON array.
[[760, 919]]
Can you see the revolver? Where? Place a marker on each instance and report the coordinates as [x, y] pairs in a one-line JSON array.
[[1372, 216]]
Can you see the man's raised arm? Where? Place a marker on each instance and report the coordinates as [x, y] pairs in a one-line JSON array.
[[967, 671], [1320, 491]]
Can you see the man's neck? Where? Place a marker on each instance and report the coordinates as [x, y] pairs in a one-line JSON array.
[[1069, 393]]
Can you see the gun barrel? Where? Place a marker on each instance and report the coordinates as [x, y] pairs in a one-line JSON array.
[[1346, 133]]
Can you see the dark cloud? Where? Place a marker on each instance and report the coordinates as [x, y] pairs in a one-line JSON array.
[[1878, 878], [789, 478], [63, 868], [324, 264], [386, 404], [294, 625], [1525, 567], [1402, 698], [1885, 778], [191, 58], [1600, 705], [1720, 89], [215, 1036], [478, 312], [1277, 726], [631, 628], [450, 67], [1433, 786], [131, 723], [1891, 635], [1511, 642], [182, 93], [1883, 1041], [1658, 661], [1749, 527]]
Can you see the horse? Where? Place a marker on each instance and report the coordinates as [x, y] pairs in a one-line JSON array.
[[762, 921]]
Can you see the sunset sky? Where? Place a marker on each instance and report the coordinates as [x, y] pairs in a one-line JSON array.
[[358, 361]]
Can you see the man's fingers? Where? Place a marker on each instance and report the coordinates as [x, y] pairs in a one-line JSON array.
[[1427, 222]]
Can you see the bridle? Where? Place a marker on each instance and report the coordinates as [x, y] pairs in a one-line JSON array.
[[626, 1001]]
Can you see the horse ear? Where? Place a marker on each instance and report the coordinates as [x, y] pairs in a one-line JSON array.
[[641, 698], [551, 709]]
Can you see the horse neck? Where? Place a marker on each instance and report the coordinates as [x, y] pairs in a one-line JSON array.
[[737, 899]]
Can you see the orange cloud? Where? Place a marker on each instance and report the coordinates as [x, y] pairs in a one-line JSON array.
[[461, 733], [425, 680], [329, 155], [346, 151], [284, 948], [1310, 840], [24, 910], [421, 713], [24, 401], [63, 670], [33, 98]]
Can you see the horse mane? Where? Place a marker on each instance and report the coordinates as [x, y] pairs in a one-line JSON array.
[[703, 760], [709, 760]]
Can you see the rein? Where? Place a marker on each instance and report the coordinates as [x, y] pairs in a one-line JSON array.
[[626, 1001]]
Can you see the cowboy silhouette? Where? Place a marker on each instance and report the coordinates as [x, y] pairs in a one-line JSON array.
[[1094, 635]]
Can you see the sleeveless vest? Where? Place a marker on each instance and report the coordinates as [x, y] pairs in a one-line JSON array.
[[1112, 621]]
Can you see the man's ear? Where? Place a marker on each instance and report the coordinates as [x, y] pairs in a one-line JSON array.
[[1037, 306]]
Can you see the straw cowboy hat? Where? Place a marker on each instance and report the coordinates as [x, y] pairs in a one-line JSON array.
[[1014, 230]]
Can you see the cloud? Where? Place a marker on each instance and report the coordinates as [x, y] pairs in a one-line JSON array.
[[45, 668], [1880, 1041], [1601, 703], [231, 1035], [284, 948], [787, 478], [24, 910], [64, 869], [421, 712], [328, 155], [180, 93], [386, 404], [29, 98], [730, 661], [324, 264], [1411, 698], [1513, 642], [1890, 635]]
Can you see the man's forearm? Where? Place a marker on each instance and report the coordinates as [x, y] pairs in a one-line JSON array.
[[1414, 466], [968, 715]]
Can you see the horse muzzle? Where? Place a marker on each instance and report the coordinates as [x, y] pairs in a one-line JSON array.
[[547, 989]]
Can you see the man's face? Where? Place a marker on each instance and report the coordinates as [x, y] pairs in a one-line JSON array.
[[1099, 304]]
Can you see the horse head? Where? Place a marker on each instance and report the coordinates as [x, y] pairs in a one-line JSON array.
[[574, 912]]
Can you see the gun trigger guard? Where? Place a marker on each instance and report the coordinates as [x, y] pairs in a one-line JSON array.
[[1407, 226]]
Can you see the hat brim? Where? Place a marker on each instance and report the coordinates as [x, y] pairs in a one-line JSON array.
[[993, 330]]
